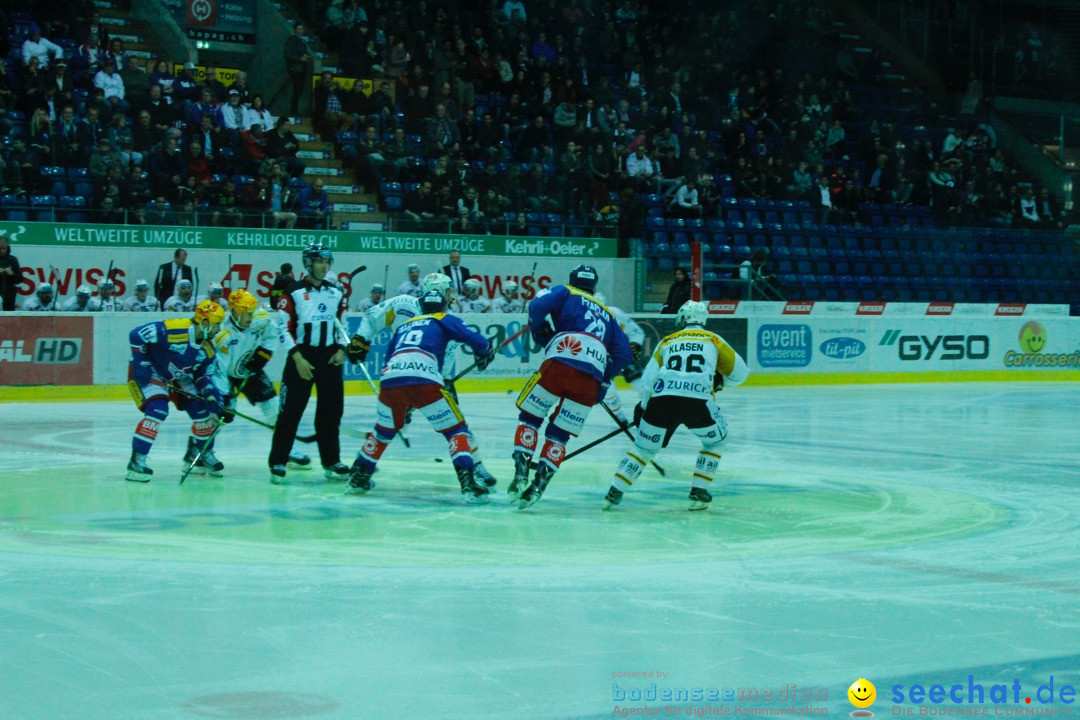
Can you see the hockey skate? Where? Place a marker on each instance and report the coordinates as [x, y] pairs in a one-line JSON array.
[[521, 476], [299, 461], [192, 456], [137, 469], [699, 499], [360, 481], [208, 460], [544, 473], [474, 492], [613, 497], [277, 474], [482, 475], [337, 471]]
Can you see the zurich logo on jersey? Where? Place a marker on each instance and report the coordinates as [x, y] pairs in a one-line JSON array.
[[322, 307], [658, 387]]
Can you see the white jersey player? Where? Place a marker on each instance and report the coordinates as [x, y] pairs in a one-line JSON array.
[[678, 388], [183, 300], [216, 292], [246, 342], [471, 301], [83, 301], [44, 300], [413, 286], [106, 301], [377, 295], [142, 300], [509, 301]]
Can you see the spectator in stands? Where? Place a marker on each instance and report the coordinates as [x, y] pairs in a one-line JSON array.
[[540, 193], [206, 106], [252, 148], [198, 164], [239, 84], [370, 157], [282, 280], [756, 283], [441, 135], [105, 158], [211, 139], [420, 206], [136, 82], [160, 212], [231, 117], [297, 66], [282, 145], [85, 63], [329, 116], [217, 88], [163, 77], [1026, 210], [110, 213], [37, 47], [167, 167], [10, 276], [678, 293], [161, 109], [536, 144], [257, 112], [110, 83], [185, 89], [641, 171], [314, 205], [137, 191], [266, 202], [21, 173], [1050, 215], [226, 202], [686, 203]]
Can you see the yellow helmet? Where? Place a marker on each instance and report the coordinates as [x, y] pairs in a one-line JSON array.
[[241, 302], [209, 311]]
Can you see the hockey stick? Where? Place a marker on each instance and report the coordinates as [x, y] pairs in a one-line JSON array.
[[301, 438], [626, 429], [507, 341], [356, 272], [196, 293], [385, 280], [220, 424]]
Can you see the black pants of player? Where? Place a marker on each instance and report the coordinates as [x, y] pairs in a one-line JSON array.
[[295, 393], [671, 411]]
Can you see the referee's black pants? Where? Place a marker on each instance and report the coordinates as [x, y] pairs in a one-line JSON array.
[[330, 404]]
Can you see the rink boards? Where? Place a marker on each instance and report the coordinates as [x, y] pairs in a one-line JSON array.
[[782, 343]]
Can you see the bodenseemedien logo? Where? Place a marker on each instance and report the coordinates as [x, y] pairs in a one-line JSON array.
[[862, 695]]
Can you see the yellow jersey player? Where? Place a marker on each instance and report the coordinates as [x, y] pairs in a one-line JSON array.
[[678, 388], [247, 340]]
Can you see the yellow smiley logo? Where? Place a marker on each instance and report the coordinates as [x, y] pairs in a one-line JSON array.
[[862, 693]]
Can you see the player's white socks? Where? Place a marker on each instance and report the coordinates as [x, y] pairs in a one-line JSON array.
[[630, 468], [705, 468]]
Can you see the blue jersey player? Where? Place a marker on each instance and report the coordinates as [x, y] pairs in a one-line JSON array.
[[584, 350], [413, 378], [175, 354]]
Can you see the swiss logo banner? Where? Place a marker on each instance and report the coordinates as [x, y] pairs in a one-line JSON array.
[[46, 350]]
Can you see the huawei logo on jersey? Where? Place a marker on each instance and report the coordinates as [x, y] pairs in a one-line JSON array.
[[570, 345]]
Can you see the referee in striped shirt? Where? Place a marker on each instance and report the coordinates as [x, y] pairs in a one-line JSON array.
[[311, 308]]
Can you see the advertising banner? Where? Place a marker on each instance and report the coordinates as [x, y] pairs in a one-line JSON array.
[[46, 349], [231, 21]]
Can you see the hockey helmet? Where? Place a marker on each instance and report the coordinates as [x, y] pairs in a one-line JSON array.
[[44, 289], [84, 290], [378, 287], [316, 251], [241, 301], [106, 285], [184, 283], [432, 302], [584, 277], [142, 285], [209, 311], [510, 290], [692, 312], [436, 281], [215, 288], [472, 288]]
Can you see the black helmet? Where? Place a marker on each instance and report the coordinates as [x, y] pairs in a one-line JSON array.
[[584, 277], [314, 252], [432, 301]]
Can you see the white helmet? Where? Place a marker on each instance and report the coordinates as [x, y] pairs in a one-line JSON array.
[[508, 288], [84, 290], [436, 281], [44, 288], [216, 288], [472, 288], [692, 313]]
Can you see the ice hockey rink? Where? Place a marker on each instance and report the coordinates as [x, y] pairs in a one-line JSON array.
[[904, 534]]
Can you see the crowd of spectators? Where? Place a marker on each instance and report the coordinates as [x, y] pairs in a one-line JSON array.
[[136, 142], [582, 109], [486, 114]]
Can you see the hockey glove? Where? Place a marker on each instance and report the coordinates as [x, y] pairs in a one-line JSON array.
[[636, 349], [543, 334], [141, 371], [717, 382], [357, 349], [604, 387], [258, 361], [230, 405], [215, 404], [482, 361]]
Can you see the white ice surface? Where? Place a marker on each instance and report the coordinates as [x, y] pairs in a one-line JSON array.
[[903, 534]]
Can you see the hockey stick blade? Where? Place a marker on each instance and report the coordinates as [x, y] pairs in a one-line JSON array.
[[357, 271]]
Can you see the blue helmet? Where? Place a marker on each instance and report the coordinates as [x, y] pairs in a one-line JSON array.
[[584, 277], [315, 251], [432, 301]]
